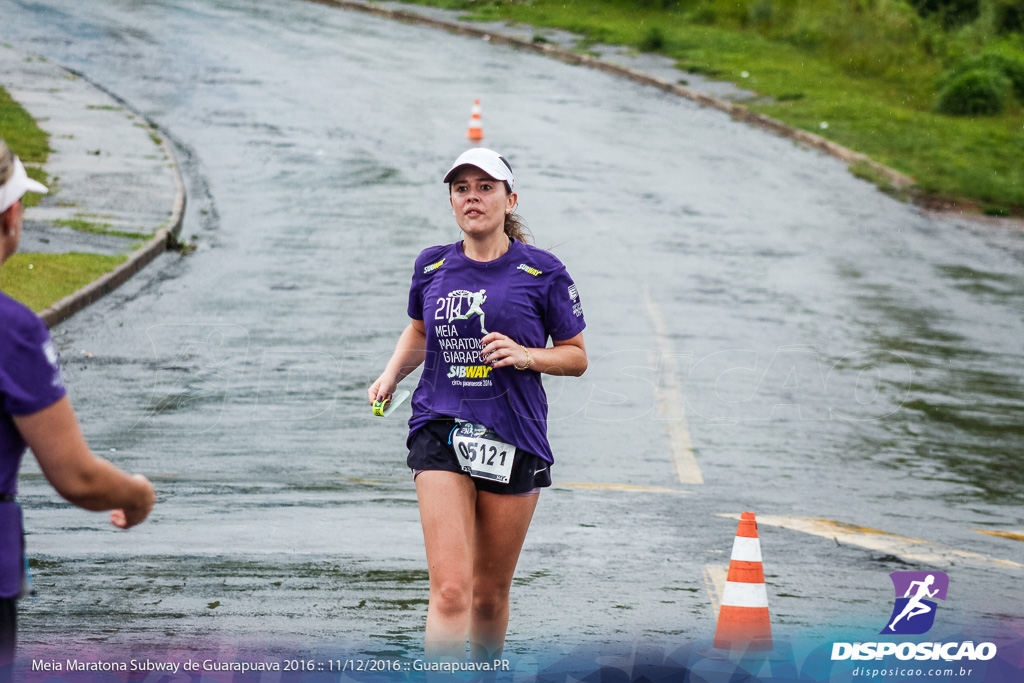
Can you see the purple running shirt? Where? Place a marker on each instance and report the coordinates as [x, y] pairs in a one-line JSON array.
[[525, 294], [29, 381]]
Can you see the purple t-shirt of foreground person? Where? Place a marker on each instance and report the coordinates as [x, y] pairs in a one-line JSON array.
[[525, 294], [29, 381]]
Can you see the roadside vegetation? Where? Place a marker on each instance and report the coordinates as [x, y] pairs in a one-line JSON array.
[[932, 88], [38, 280], [80, 223], [32, 145]]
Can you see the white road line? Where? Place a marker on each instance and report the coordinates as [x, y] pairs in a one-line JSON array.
[[669, 400], [714, 581], [911, 549]]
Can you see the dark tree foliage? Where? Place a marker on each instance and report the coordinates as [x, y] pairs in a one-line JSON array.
[[978, 92], [1009, 16], [657, 4], [950, 12], [1011, 68]]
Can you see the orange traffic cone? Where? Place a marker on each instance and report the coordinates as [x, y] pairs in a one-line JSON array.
[[476, 126], [743, 621]]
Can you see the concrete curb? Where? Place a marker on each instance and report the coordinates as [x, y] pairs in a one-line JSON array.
[[164, 239], [897, 180]]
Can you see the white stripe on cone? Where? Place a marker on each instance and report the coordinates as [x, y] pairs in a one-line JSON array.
[[746, 549], [744, 595]]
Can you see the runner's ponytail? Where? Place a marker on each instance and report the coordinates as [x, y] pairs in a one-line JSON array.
[[515, 227]]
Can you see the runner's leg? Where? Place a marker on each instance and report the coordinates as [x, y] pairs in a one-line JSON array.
[[920, 609], [907, 608], [447, 507], [501, 525]]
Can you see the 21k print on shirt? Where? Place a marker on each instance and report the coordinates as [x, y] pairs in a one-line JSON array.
[[461, 354]]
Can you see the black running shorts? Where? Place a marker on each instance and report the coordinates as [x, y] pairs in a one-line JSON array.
[[8, 631], [430, 449]]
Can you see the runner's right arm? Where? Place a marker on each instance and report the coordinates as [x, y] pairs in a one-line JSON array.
[[409, 354]]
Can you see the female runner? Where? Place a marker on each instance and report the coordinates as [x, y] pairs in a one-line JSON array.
[[477, 442]]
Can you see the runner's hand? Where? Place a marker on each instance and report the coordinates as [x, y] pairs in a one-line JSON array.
[[382, 388], [128, 517], [500, 351]]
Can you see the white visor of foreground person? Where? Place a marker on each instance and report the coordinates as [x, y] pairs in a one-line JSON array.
[[17, 185], [488, 161]]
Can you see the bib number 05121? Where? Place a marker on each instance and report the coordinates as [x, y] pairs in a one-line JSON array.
[[482, 454]]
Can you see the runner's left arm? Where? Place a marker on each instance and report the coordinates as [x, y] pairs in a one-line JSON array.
[[567, 357]]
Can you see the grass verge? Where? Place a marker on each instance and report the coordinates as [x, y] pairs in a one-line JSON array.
[[39, 280], [83, 225], [30, 142], [863, 74]]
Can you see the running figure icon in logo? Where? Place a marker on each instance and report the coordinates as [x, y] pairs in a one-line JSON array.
[[476, 300], [916, 587]]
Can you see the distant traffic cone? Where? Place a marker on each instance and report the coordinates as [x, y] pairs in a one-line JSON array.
[[476, 126], [743, 621]]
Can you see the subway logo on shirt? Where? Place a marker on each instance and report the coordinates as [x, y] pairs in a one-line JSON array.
[[469, 371]]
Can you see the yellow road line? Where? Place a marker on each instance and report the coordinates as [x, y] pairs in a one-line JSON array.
[[715, 576], [912, 549], [619, 487], [1014, 535], [669, 400]]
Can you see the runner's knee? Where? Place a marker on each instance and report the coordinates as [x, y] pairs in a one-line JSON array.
[[451, 598], [489, 606], [490, 598]]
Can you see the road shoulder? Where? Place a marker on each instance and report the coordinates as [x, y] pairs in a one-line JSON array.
[[115, 186]]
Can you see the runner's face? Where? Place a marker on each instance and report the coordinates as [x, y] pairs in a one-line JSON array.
[[480, 202]]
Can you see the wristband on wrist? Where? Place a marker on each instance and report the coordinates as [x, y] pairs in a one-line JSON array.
[[529, 359]]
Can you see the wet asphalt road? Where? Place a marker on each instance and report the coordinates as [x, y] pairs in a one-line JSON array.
[[839, 355]]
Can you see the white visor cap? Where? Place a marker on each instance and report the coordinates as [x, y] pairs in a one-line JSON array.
[[488, 161], [17, 185]]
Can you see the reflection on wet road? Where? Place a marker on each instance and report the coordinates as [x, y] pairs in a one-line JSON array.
[[837, 355]]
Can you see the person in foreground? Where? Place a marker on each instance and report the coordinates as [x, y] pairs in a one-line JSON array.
[[34, 411], [477, 441]]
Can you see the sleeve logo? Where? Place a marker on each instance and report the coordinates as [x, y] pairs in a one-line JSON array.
[[50, 353], [51, 357], [432, 267], [577, 306]]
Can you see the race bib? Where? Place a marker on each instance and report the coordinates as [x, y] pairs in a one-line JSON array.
[[482, 454]]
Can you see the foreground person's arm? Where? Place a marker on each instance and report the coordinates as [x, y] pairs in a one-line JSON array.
[[84, 479]]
